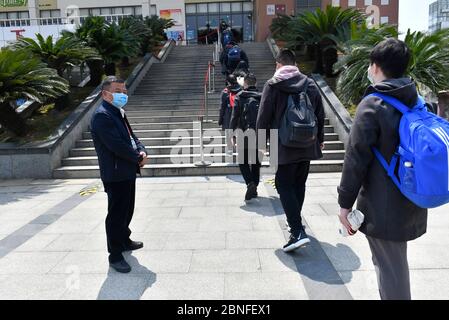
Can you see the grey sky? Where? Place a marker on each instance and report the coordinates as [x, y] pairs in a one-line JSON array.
[[414, 14]]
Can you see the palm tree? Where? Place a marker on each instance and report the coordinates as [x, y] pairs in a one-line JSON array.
[[429, 65], [318, 30], [24, 76], [139, 30], [280, 27], [158, 27], [60, 54]]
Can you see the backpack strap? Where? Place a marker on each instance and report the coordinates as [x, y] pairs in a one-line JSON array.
[[389, 168], [397, 104]]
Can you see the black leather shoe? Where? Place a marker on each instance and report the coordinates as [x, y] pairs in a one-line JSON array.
[[134, 245], [121, 266]]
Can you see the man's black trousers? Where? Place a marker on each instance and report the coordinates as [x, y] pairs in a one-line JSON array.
[[121, 199], [291, 185]]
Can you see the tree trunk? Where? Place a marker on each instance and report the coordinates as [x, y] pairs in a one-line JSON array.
[[318, 60], [330, 57], [109, 69], [11, 121], [62, 102], [125, 62], [443, 104], [96, 72]]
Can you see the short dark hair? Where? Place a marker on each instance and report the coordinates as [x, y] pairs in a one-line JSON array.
[[251, 80], [106, 84], [392, 56], [286, 57], [231, 80]]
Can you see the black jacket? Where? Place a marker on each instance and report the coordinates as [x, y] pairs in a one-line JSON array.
[[241, 99], [272, 107], [226, 67], [117, 158], [388, 214], [224, 119]]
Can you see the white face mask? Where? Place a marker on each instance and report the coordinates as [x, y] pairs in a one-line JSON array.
[[370, 76], [241, 81]]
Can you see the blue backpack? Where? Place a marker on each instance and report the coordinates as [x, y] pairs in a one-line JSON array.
[[234, 55], [227, 37], [422, 156]]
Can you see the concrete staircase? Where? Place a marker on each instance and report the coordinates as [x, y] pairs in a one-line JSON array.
[[165, 105]]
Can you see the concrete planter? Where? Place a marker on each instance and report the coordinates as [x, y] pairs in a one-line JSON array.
[[38, 160]]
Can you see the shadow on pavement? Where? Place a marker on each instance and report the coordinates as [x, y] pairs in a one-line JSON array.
[[261, 206], [319, 261], [129, 286]]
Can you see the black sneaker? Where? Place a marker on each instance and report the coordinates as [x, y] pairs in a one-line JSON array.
[[121, 266], [296, 242], [251, 192]]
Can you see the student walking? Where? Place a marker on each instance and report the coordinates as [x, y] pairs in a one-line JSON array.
[[244, 117], [228, 96], [391, 220], [120, 157], [290, 99], [231, 57]]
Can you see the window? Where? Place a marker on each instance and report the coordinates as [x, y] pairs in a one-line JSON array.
[[385, 2], [236, 7], [214, 8], [190, 8], [225, 7], [202, 8], [352, 3], [247, 6], [384, 20], [153, 10], [368, 2], [335, 3]]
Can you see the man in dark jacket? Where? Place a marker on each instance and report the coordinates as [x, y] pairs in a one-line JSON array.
[[228, 96], [227, 66], [244, 119], [120, 157], [390, 218], [294, 163]]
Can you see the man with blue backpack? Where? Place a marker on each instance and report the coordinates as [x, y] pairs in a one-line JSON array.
[[292, 105], [231, 57], [396, 166]]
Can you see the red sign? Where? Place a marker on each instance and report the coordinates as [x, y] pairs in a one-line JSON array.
[[281, 9]]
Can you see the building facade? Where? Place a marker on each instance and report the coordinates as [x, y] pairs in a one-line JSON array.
[[439, 15], [195, 20]]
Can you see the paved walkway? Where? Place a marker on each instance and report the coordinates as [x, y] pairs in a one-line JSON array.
[[201, 242]]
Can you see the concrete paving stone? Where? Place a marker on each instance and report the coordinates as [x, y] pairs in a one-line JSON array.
[[83, 214], [361, 284], [63, 181], [313, 210], [14, 182], [183, 202], [30, 262], [11, 226], [90, 204], [328, 223], [202, 212], [186, 286], [247, 211], [149, 203], [190, 186], [276, 261], [148, 213], [227, 201], [72, 227], [264, 286], [330, 182], [7, 203], [433, 235], [218, 185], [15, 189], [319, 199], [345, 258], [172, 225], [430, 284], [225, 261], [83, 262], [214, 193], [158, 261], [32, 287], [254, 239], [164, 194], [434, 256], [156, 187], [225, 224], [196, 241], [264, 223], [111, 286], [37, 243], [331, 209], [66, 242]]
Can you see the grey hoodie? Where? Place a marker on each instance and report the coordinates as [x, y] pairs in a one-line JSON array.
[[388, 214]]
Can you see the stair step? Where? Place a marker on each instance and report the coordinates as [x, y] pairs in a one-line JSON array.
[[82, 172]]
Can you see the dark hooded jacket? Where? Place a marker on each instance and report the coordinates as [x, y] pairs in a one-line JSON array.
[[240, 101], [388, 214], [274, 103], [226, 107]]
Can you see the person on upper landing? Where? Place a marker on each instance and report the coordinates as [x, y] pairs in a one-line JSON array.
[[231, 57]]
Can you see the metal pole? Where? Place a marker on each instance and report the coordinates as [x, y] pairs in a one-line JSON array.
[[202, 163], [213, 78], [206, 103]]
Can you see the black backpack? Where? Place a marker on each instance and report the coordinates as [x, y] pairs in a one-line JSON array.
[[299, 127], [249, 113]]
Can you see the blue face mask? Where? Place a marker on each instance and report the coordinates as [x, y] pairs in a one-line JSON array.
[[119, 100]]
